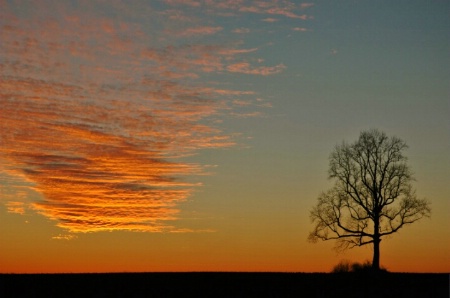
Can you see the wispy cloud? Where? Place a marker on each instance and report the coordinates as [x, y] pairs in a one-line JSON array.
[[306, 5], [246, 68], [99, 114], [15, 207], [241, 30], [282, 8], [285, 8], [300, 29], [202, 30], [270, 20], [192, 3], [64, 237]]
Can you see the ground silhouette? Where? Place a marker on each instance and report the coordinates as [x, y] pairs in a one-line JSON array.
[[225, 285]]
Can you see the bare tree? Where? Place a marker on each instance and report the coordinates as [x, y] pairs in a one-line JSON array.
[[372, 196]]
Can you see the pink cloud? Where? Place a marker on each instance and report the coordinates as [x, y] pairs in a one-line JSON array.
[[204, 58], [180, 16], [231, 7], [246, 68], [300, 29], [205, 30], [232, 52], [270, 20], [282, 8], [306, 5], [253, 9], [192, 3], [306, 17], [247, 115], [241, 30]]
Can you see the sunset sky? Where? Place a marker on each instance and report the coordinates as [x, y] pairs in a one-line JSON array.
[[194, 135]]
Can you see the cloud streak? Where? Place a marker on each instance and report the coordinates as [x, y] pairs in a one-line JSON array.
[[289, 9], [204, 30], [98, 114], [246, 68]]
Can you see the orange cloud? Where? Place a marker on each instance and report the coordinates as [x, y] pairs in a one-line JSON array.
[[15, 207], [98, 124], [93, 166], [64, 237]]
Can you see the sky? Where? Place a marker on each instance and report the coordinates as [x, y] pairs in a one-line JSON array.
[[194, 135]]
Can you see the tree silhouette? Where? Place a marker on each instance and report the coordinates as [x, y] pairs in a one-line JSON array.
[[372, 196]]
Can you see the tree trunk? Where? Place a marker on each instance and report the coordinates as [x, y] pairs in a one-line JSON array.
[[376, 243], [376, 254]]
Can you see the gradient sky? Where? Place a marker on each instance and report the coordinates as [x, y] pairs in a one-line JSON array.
[[194, 135]]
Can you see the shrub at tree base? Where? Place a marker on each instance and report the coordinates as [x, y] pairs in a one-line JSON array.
[[345, 267]]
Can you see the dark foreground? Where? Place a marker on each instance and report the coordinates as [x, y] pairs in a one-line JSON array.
[[225, 285]]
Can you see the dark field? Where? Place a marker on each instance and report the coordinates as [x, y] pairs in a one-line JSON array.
[[225, 285]]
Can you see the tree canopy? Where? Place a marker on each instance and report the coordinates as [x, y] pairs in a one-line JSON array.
[[372, 196]]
